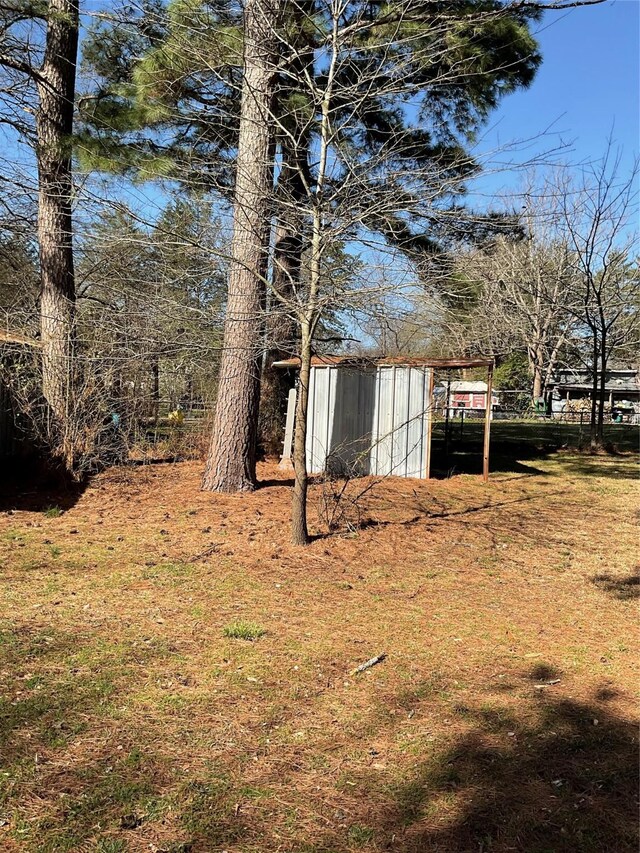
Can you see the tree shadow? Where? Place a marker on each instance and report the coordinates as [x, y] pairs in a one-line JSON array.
[[622, 587], [515, 445], [543, 672], [560, 778], [615, 466], [289, 482], [565, 783], [36, 488]]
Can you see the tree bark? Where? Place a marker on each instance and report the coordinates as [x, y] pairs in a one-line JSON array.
[[309, 317], [593, 425], [281, 339], [54, 125], [282, 335], [602, 389], [231, 463], [299, 529]]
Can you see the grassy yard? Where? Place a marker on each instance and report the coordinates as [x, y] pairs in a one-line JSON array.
[[176, 677]]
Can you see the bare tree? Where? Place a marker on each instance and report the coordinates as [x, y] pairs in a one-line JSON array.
[[599, 210], [400, 191], [523, 292]]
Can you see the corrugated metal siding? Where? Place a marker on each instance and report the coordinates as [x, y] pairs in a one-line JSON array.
[[371, 421]]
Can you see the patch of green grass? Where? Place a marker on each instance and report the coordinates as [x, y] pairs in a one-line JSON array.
[[360, 834], [168, 573], [52, 512], [208, 810], [110, 845], [244, 631]]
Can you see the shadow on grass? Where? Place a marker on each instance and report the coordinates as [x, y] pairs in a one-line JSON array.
[[289, 482], [622, 587], [426, 514], [564, 783], [466, 459], [614, 466], [560, 779], [37, 489], [514, 445]]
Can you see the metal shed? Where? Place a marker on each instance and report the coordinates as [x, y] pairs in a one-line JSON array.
[[370, 416]]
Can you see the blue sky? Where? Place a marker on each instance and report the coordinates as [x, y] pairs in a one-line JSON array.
[[587, 87]]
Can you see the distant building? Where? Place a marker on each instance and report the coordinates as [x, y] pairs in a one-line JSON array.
[[470, 396], [572, 388]]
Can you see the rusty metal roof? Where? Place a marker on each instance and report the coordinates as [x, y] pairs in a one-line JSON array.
[[384, 361]]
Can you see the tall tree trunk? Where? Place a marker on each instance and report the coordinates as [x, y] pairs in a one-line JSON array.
[[593, 419], [602, 387], [282, 335], [535, 359], [299, 530], [538, 386], [309, 317], [231, 463], [155, 389], [54, 125], [294, 180]]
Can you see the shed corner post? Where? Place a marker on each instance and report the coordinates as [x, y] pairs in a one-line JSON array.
[[286, 463], [487, 423]]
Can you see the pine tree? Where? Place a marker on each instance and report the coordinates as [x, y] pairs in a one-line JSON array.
[[232, 454]]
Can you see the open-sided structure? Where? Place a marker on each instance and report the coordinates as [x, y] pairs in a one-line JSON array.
[[373, 416]]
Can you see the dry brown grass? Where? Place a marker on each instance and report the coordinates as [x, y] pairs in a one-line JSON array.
[[502, 718]]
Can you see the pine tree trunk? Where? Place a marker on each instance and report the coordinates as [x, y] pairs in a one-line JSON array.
[[282, 335], [54, 125], [231, 462]]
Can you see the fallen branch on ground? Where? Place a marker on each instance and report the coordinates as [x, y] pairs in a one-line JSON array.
[[368, 664]]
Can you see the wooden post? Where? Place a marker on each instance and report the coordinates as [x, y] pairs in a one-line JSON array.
[[285, 461], [487, 424], [430, 421]]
